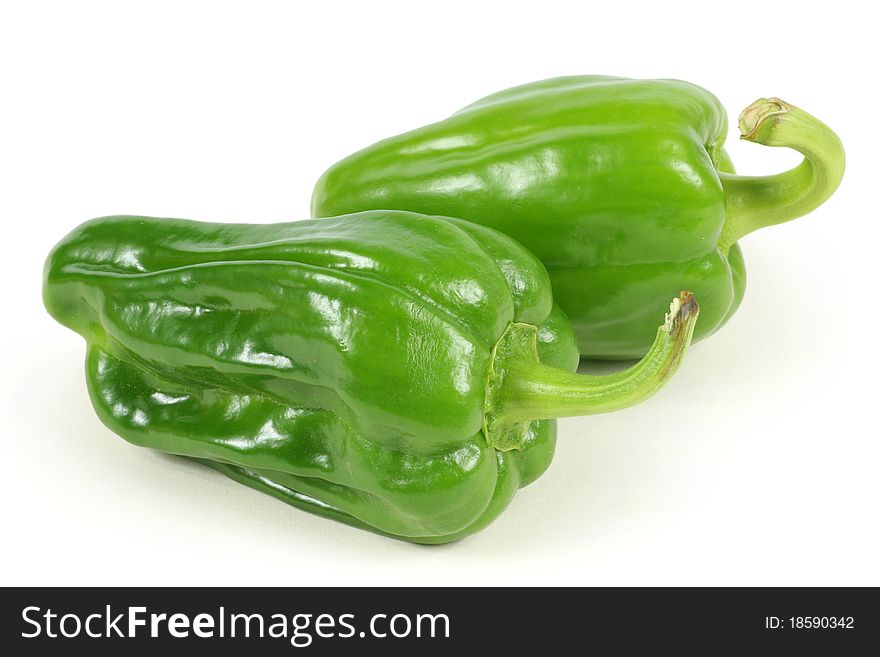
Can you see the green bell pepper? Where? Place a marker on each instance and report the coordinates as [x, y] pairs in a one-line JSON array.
[[394, 371], [621, 187]]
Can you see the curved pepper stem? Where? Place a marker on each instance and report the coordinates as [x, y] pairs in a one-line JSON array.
[[757, 201], [521, 389]]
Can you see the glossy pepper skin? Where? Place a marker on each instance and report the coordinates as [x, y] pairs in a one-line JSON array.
[[621, 187], [394, 371]]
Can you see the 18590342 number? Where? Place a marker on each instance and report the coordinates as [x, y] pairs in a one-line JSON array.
[[821, 622]]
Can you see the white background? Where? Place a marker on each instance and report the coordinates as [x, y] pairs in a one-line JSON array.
[[757, 465]]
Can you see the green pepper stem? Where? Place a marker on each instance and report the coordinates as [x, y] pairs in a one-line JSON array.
[[522, 389], [757, 201]]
